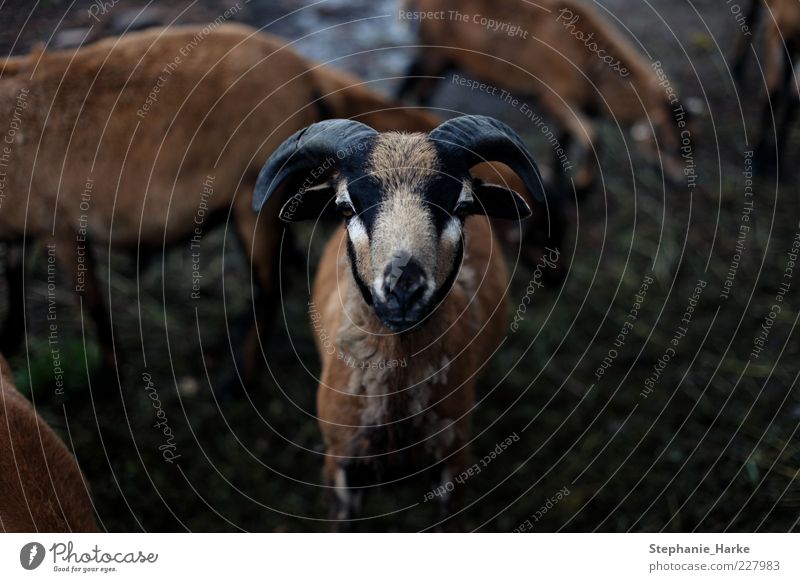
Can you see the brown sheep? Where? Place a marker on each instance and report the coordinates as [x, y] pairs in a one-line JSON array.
[[780, 47], [42, 488], [408, 303], [565, 55], [143, 142]]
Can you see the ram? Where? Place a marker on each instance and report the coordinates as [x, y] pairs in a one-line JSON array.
[[144, 142], [43, 489], [781, 43], [569, 59], [408, 303]]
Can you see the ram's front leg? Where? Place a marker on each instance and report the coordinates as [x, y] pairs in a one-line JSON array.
[[449, 490], [339, 416], [346, 499]]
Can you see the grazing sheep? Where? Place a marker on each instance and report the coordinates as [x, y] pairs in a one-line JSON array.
[[144, 142], [42, 488], [409, 298], [780, 47], [565, 55]]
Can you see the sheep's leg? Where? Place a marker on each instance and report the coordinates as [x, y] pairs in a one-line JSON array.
[[261, 240], [347, 502], [546, 229], [415, 85], [445, 497], [789, 115], [583, 180], [411, 79], [764, 158], [78, 265], [579, 137], [452, 492], [779, 76], [565, 140], [544, 236], [745, 41], [774, 58], [14, 326], [790, 109]]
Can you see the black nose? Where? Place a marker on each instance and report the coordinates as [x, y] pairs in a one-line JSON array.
[[404, 287]]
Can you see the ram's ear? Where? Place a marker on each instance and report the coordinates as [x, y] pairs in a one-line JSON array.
[[498, 201], [308, 204]]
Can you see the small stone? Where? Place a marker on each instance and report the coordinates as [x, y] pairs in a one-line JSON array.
[[70, 38], [188, 386], [137, 19]]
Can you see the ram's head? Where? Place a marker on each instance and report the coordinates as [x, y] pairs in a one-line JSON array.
[[404, 198]]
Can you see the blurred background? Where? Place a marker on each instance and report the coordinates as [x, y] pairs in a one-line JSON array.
[[704, 441]]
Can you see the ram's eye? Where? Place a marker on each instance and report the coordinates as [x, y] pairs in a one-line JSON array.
[[462, 209], [345, 209]]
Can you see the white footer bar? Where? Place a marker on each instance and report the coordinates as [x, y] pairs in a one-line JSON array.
[[400, 557]]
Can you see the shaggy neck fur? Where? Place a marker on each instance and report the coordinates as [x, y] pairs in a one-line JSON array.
[[403, 370]]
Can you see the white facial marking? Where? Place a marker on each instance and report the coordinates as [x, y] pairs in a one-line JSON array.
[[342, 194], [357, 232], [377, 288], [452, 232], [430, 290], [466, 196], [448, 249]]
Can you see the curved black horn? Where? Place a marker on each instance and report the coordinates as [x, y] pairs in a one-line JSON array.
[[309, 148], [477, 138]]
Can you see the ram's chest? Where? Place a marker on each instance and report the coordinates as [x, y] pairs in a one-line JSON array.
[[402, 398], [406, 408]]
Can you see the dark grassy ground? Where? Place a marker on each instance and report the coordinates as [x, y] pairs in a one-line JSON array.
[[712, 448]]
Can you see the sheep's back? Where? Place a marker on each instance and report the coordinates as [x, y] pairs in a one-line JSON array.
[[139, 123]]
